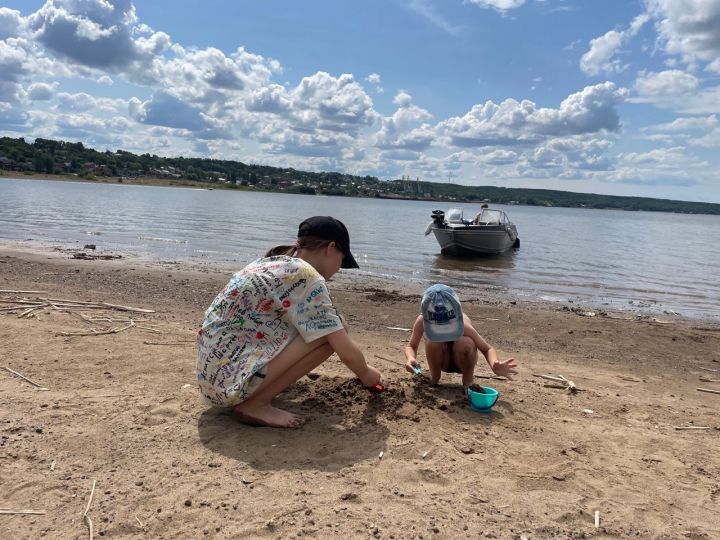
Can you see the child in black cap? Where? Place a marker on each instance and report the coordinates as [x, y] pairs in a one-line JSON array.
[[274, 322], [451, 341]]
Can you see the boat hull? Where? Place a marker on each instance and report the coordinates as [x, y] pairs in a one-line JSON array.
[[474, 240]]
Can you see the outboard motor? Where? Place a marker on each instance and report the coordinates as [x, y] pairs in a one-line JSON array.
[[438, 217]]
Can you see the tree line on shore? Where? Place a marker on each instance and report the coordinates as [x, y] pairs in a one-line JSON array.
[[45, 156]]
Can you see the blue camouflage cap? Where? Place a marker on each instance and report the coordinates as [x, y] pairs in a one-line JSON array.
[[442, 314]]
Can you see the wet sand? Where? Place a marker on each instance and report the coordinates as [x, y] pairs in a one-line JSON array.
[[123, 410]]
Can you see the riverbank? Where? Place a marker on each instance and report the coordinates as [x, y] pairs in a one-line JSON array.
[[134, 181], [122, 410]]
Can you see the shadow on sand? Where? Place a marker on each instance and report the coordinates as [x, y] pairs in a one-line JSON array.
[[343, 429]]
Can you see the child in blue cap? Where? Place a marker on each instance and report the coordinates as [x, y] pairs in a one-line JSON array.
[[451, 341]]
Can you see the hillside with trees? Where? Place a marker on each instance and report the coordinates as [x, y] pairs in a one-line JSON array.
[[74, 160]]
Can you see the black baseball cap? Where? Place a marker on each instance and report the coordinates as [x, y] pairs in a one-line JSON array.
[[329, 228]]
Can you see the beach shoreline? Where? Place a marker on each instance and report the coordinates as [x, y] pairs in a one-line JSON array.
[[639, 310], [122, 409]]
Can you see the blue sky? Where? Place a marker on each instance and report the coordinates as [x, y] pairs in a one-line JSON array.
[[604, 96]]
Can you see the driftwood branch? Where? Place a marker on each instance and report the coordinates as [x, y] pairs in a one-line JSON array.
[[36, 385], [5, 291], [86, 518], [29, 308], [94, 332], [181, 342], [149, 329], [708, 390], [559, 382], [65, 303], [631, 379], [126, 308], [8, 511], [549, 377], [692, 427]]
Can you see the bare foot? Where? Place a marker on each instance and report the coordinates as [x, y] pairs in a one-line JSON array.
[[267, 415]]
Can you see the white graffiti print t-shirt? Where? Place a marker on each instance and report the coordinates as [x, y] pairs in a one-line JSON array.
[[262, 309]]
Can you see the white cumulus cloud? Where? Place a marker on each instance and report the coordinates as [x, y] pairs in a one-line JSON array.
[[11, 22], [600, 58], [690, 29], [406, 131], [41, 91], [524, 123], [670, 83], [499, 5]]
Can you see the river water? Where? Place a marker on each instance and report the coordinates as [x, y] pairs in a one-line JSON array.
[[651, 262]]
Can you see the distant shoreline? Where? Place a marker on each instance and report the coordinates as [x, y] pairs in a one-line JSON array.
[[178, 182], [143, 181]]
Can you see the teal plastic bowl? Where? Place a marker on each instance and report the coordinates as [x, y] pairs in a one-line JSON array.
[[483, 401]]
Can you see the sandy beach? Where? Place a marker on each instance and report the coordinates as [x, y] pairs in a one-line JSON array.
[[121, 411]]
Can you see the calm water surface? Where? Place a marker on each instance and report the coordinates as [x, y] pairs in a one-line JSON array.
[[653, 262]]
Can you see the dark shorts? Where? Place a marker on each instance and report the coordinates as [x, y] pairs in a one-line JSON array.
[[452, 366]]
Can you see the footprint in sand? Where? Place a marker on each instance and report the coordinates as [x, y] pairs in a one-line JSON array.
[[160, 414]]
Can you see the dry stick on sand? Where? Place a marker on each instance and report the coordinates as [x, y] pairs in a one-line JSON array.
[[94, 332], [126, 308], [631, 379], [105, 318], [691, 427], [95, 305], [705, 379], [708, 391], [169, 342], [22, 303], [5, 291], [149, 329], [709, 369], [14, 308], [108, 396], [8, 511], [559, 382], [29, 311], [85, 516], [36, 385]]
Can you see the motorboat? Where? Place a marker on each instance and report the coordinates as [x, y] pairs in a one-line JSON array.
[[490, 231]]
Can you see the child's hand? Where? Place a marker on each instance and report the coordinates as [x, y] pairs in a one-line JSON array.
[[371, 377], [505, 369], [412, 366]]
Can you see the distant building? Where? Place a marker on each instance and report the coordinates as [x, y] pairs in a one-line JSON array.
[[8, 164]]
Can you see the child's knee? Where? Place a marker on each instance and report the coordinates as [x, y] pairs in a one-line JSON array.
[[327, 350], [465, 351]]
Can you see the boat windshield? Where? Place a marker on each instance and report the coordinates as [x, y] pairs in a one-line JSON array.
[[491, 217], [454, 215]]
